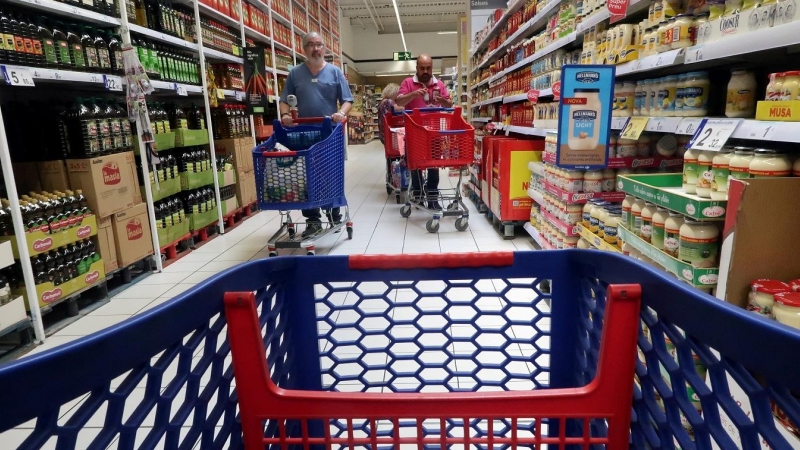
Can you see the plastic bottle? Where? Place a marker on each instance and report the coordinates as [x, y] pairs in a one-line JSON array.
[[115, 53], [103, 53], [89, 50], [63, 54], [76, 50]]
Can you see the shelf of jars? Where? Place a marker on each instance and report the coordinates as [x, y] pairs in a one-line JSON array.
[[537, 237], [494, 30]]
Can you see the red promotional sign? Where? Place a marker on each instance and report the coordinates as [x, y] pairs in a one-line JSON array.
[[556, 90], [533, 96], [617, 8]]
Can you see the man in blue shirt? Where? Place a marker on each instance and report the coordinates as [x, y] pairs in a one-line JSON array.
[[321, 90]]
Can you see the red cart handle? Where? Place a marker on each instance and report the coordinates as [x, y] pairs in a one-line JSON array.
[[279, 154]]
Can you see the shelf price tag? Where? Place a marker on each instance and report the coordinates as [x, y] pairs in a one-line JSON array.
[[688, 126], [661, 124], [757, 129], [713, 134], [17, 76], [239, 95], [181, 90], [220, 94], [112, 83], [634, 127]]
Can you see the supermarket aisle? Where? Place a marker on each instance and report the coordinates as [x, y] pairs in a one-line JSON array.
[[378, 228]]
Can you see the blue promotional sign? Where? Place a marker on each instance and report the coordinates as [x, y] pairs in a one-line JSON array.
[[584, 119]]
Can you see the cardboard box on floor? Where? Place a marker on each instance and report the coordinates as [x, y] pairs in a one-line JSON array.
[[510, 177], [759, 241], [246, 188], [241, 149], [137, 188], [132, 236], [53, 175], [106, 245], [106, 181]]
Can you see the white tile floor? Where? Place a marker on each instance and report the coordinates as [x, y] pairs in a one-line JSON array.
[[378, 228]]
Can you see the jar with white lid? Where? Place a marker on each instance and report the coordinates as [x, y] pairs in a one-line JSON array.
[[574, 181], [612, 146], [636, 213], [655, 101], [643, 145], [601, 220], [787, 309], [666, 96], [559, 240], [741, 97], [690, 171], [587, 210], [720, 171], [594, 217], [705, 174], [626, 100], [769, 163], [626, 148], [680, 88], [672, 228], [662, 37], [695, 94], [791, 85], [609, 179], [659, 222], [627, 218], [683, 31], [610, 227], [639, 94], [699, 244], [667, 145], [573, 214], [774, 87], [739, 165], [702, 28], [571, 241], [584, 244], [627, 249], [592, 181], [761, 298], [646, 229]]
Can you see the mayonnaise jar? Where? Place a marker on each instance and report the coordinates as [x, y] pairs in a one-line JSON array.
[[741, 97], [739, 165], [672, 228], [769, 163], [720, 171], [592, 181], [627, 217], [761, 298], [659, 222], [704, 173], [636, 212], [699, 244], [690, 171], [584, 123], [786, 309], [695, 94], [646, 229]]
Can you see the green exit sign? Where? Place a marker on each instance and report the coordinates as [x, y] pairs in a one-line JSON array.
[[402, 56]]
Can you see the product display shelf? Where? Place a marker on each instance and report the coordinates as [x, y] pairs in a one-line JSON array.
[[279, 18], [528, 131], [665, 190], [537, 237], [642, 162], [170, 86], [513, 8], [568, 230], [216, 55], [162, 37], [596, 241], [482, 119], [66, 10], [698, 277], [582, 197], [257, 35], [748, 128]]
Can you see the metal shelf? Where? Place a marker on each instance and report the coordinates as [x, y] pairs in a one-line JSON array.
[[162, 37], [66, 10]]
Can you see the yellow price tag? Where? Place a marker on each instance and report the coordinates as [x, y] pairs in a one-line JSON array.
[[221, 95], [633, 127]]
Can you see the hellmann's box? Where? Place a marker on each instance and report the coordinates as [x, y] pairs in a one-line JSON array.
[[106, 181], [132, 235]]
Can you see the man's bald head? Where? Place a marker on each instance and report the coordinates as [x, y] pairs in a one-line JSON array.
[[424, 68]]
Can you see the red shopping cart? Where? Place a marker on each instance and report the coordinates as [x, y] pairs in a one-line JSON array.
[[424, 341], [438, 138], [397, 175]]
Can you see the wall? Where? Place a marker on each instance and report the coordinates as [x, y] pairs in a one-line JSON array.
[[369, 45]]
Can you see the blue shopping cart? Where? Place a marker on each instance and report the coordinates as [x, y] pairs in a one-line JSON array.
[[308, 174], [434, 324]]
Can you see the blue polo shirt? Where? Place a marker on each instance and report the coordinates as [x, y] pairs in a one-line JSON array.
[[317, 96]]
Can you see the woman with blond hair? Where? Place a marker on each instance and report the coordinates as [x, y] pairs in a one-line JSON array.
[[387, 105]]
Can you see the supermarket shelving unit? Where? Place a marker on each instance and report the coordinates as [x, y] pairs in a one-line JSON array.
[[321, 16]]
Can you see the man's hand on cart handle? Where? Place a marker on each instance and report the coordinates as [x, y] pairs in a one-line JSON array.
[[338, 117], [286, 120]]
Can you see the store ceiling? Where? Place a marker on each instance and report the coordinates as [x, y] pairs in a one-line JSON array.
[[417, 15]]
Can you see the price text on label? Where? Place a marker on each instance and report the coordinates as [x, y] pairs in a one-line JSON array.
[[17, 76], [634, 127], [112, 83], [713, 134]]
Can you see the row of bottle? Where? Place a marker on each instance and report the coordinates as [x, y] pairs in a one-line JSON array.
[[175, 20], [169, 212], [50, 212], [165, 118], [95, 126], [43, 43], [163, 63], [195, 160], [107, 7], [220, 37], [199, 200], [166, 169], [227, 192], [229, 76], [62, 264], [230, 121]]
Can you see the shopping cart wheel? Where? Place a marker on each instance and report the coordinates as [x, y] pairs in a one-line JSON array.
[[389, 189], [273, 254], [405, 211], [311, 253], [397, 197], [291, 232], [452, 206], [432, 226], [349, 232], [462, 223]]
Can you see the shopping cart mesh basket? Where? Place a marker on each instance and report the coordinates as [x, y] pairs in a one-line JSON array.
[[390, 145], [434, 324], [438, 138], [311, 175]]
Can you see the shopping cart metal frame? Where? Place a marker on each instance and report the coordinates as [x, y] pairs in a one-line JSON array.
[[428, 131], [393, 151], [321, 151], [178, 354]]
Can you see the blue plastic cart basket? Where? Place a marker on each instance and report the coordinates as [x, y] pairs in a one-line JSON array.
[[164, 378]]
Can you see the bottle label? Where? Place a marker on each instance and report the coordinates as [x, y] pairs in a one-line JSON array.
[[637, 224], [698, 252], [118, 142], [91, 57], [118, 58], [104, 58], [77, 55], [719, 174], [690, 171], [183, 123], [116, 128], [49, 50], [29, 46], [657, 236], [19, 44], [104, 128], [610, 234], [592, 185], [671, 242], [63, 52], [584, 123], [91, 127], [769, 173], [704, 175]]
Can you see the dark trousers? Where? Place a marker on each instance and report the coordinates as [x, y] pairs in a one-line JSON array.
[[315, 214], [431, 183]]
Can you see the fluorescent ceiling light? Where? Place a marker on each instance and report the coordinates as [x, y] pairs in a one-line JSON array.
[[400, 25], [447, 32]]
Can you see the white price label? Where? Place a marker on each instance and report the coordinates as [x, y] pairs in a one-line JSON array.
[[239, 95], [694, 54], [17, 76], [181, 90], [618, 123], [112, 82], [756, 129], [688, 126], [713, 134]]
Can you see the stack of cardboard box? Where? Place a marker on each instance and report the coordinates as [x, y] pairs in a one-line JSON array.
[[241, 150], [111, 187]]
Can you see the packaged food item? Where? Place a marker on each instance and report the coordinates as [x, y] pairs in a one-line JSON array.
[[652, 95], [666, 95], [667, 145], [732, 7], [626, 148], [610, 227], [646, 230], [594, 217], [643, 145], [796, 168], [592, 181], [741, 98], [639, 96], [655, 107], [761, 298], [627, 218], [768, 163], [574, 181], [716, 8], [786, 309], [672, 8], [612, 146], [739, 165], [699, 243], [774, 87], [587, 210], [690, 171], [720, 172], [609, 180], [584, 244], [704, 173], [702, 28], [636, 212], [659, 222], [683, 31], [695, 94], [672, 228], [791, 85]]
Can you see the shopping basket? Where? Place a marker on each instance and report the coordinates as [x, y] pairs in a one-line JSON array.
[[438, 138], [310, 175], [421, 324]]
